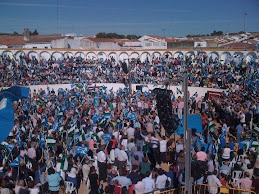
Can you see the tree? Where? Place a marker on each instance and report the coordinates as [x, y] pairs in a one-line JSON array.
[[15, 33], [35, 32], [216, 33]]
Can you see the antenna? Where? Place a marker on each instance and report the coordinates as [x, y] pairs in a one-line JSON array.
[[163, 30], [57, 16]]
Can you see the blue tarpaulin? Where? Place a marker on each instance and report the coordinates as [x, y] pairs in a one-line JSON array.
[[194, 122], [6, 108]]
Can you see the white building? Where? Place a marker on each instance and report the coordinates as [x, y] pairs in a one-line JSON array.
[[200, 44], [153, 42]]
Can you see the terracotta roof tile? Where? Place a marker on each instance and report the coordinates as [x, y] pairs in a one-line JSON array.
[[11, 40]]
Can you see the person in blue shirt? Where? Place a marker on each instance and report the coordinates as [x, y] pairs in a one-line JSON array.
[[171, 175], [225, 169], [53, 180], [39, 172], [239, 129]]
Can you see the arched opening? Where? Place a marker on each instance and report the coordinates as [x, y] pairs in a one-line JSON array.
[[145, 57], [80, 54], [124, 57], [102, 56], [18, 54], [213, 56], [45, 55], [178, 54], [190, 54], [156, 55], [68, 55], [167, 55], [33, 55], [134, 55], [56, 56], [7, 53], [91, 56], [225, 57], [251, 56], [113, 55]]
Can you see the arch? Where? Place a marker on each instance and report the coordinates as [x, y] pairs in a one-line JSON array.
[[238, 54], [225, 57], [190, 54], [178, 54], [45, 55], [102, 56], [91, 55], [213, 55], [251, 56], [56, 55], [168, 53], [33, 55], [144, 56], [80, 54], [68, 54], [112, 55], [156, 55], [7, 53], [17, 54], [123, 56], [134, 55]]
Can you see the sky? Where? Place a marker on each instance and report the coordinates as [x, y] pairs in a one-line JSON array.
[[140, 17]]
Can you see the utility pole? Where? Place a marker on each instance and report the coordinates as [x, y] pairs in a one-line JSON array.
[[187, 138], [57, 16], [129, 69], [245, 14]]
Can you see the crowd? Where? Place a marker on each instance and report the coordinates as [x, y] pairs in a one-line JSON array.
[[203, 71], [105, 141]]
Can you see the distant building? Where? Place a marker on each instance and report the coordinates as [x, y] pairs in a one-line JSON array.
[[200, 44], [99, 43], [153, 42]]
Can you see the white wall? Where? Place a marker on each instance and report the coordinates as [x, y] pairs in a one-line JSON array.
[[38, 45], [59, 43], [200, 44]]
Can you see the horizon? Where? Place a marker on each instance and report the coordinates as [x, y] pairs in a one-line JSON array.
[[169, 18]]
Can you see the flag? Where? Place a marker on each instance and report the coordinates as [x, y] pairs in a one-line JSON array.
[[42, 142], [81, 137], [50, 141], [133, 116], [71, 131], [212, 126], [9, 147], [82, 151], [15, 162], [64, 163], [107, 137]]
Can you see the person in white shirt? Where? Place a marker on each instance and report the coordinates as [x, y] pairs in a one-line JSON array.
[[150, 183], [86, 170], [102, 165], [161, 180], [139, 188], [130, 132], [163, 145], [122, 158], [213, 181]]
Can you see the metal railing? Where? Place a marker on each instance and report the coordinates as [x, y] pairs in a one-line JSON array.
[[204, 189]]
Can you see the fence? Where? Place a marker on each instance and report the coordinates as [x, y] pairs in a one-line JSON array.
[[205, 189]]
